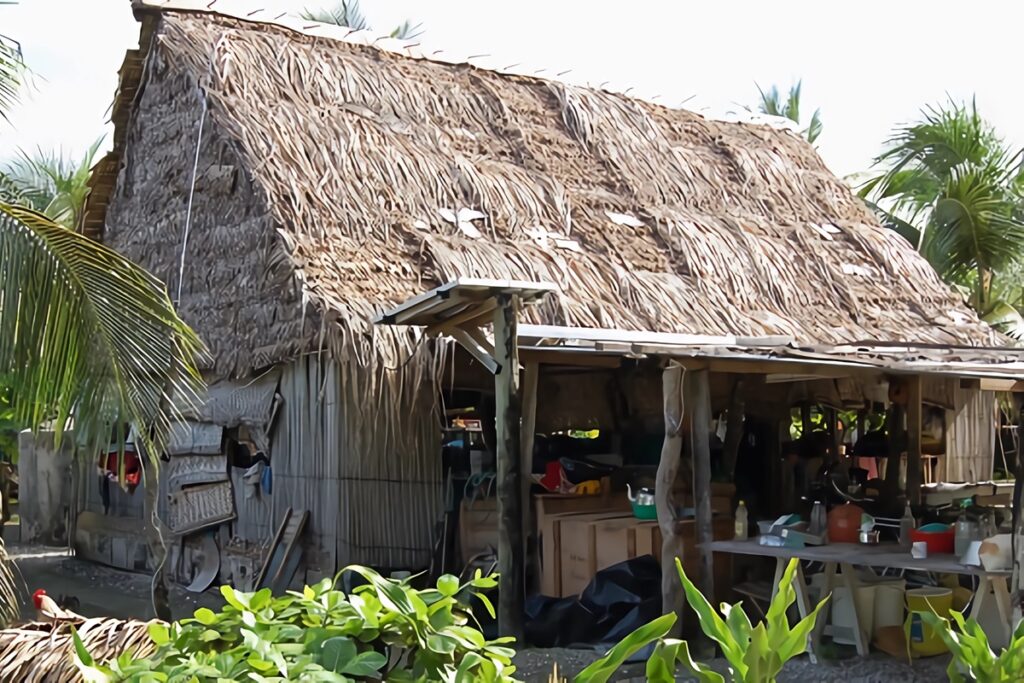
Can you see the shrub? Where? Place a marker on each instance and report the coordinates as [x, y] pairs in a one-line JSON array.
[[756, 654], [385, 629], [972, 654]]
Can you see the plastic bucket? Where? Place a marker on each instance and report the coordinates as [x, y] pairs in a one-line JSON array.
[[889, 601], [924, 641]]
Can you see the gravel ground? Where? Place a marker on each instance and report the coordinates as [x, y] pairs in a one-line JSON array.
[[536, 665]]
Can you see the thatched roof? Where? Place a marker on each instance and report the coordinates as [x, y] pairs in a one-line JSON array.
[[647, 218]]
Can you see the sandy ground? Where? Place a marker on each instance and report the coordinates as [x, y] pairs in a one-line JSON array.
[[102, 591]]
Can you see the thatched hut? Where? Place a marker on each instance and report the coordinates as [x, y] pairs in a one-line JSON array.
[[290, 181]]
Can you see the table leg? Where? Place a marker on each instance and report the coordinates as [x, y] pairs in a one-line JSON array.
[[780, 568], [823, 615], [1002, 595], [979, 596], [851, 583], [803, 604]]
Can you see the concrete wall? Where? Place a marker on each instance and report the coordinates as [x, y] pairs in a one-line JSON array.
[[44, 475]]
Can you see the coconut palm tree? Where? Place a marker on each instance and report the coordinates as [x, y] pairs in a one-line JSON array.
[[951, 186], [86, 336], [11, 69], [347, 13], [773, 104], [51, 183]]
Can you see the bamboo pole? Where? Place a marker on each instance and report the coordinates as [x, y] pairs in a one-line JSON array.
[[914, 419], [699, 401]]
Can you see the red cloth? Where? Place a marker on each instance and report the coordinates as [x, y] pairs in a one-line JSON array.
[[132, 468]]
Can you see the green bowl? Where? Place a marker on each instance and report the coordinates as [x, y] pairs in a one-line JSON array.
[[644, 511]]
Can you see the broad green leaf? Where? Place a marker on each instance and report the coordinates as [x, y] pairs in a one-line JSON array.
[[699, 671], [158, 633], [336, 653], [601, 670], [448, 585], [365, 664]]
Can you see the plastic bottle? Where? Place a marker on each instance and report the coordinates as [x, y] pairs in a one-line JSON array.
[[966, 530], [907, 525], [741, 528], [819, 520]]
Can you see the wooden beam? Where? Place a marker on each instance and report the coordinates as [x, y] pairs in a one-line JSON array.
[[508, 413], [480, 352], [914, 419], [474, 313], [531, 376], [668, 469], [699, 404], [1017, 549], [587, 359]]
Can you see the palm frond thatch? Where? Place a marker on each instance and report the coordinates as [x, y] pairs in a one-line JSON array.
[[85, 331], [645, 217], [38, 653]]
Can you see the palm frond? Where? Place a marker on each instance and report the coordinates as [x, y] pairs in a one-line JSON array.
[[407, 30], [85, 332], [1005, 318], [345, 13], [12, 70], [51, 183], [813, 130]]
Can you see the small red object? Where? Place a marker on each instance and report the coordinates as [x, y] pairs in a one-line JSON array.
[[939, 542], [844, 523]]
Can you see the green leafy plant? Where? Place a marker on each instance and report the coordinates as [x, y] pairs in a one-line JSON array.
[[383, 630], [756, 654], [972, 654]]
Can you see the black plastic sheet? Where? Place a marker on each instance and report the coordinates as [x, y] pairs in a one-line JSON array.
[[618, 600]]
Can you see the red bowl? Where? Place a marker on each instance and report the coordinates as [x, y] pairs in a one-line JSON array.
[[938, 541]]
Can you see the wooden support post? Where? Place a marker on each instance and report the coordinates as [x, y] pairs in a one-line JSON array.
[[511, 595], [668, 469], [734, 428], [699, 403], [531, 375], [1017, 535], [914, 418]]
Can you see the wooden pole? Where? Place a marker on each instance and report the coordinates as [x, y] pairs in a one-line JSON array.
[[1017, 532], [699, 401], [511, 595], [734, 428], [914, 419], [531, 375], [668, 469]]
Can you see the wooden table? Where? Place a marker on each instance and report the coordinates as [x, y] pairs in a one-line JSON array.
[[846, 556]]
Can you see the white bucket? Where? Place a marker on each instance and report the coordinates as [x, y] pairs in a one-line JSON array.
[[843, 614]]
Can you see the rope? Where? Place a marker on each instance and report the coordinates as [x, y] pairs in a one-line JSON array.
[[191, 195]]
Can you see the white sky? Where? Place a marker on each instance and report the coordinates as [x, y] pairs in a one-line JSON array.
[[867, 64]]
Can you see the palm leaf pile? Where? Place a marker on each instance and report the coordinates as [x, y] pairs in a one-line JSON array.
[[38, 653]]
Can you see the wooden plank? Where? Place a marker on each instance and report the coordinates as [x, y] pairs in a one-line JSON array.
[[699, 403], [511, 596], [530, 549], [668, 469], [481, 353], [278, 535], [914, 418], [466, 318]]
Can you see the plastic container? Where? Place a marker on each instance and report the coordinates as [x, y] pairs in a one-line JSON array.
[[844, 524], [890, 598], [843, 615], [924, 641], [645, 512], [907, 525], [964, 531], [937, 541]]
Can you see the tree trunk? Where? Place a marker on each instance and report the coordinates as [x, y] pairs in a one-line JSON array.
[[511, 563], [699, 400], [668, 470], [156, 535]]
